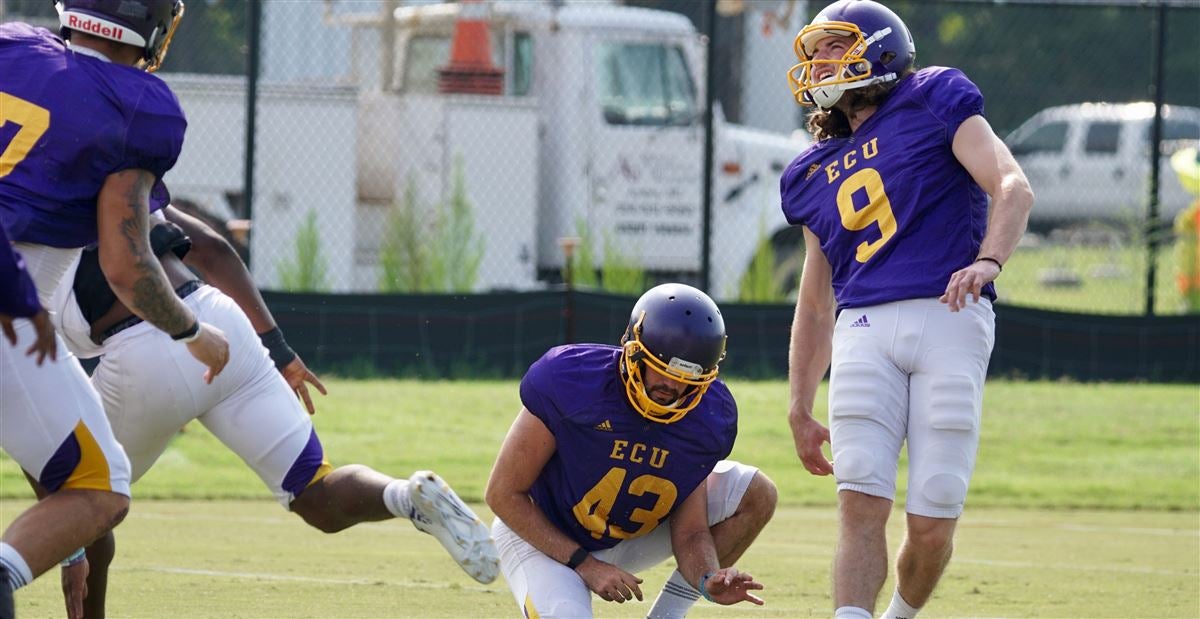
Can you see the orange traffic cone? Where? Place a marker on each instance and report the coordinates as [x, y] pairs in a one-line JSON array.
[[470, 70]]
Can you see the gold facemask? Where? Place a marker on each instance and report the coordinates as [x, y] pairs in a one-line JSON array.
[[636, 358]]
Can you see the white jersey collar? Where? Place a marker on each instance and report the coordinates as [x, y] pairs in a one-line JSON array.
[[87, 51]]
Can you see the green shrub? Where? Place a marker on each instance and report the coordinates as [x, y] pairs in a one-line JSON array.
[[763, 281], [443, 256], [307, 271]]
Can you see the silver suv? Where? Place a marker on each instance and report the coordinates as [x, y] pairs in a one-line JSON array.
[[1090, 161]]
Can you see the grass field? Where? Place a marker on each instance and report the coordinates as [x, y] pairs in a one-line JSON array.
[[1085, 503]]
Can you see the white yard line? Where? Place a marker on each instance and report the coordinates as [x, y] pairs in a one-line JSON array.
[[1121, 569], [411, 584]]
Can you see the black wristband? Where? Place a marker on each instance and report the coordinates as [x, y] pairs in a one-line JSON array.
[[281, 353], [577, 558], [187, 333], [992, 260]]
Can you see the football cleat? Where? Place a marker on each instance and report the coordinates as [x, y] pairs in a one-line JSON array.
[[438, 511]]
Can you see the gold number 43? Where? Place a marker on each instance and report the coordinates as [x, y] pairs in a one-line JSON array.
[[877, 211], [593, 509], [33, 119]]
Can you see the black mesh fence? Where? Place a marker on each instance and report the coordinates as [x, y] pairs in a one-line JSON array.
[[392, 156]]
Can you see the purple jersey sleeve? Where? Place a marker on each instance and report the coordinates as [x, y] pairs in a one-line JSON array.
[[73, 120], [18, 296], [538, 389], [155, 132], [950, 96]]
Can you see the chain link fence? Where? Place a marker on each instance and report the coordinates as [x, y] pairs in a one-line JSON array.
[[392, 156]]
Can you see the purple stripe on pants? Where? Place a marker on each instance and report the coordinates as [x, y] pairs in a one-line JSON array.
[[60, 466], [305, 467]]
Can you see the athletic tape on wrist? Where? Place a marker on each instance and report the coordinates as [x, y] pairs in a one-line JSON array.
[[76, 558], [704, 586]]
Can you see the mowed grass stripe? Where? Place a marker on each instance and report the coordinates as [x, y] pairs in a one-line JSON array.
[[236, 559]]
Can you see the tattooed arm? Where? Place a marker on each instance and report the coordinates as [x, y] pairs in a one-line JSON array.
[[125, 255], [135, 274]]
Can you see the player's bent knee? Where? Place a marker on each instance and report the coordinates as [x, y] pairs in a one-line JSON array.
[[945, 490], [108, 509], [761, 496], [318, 511]]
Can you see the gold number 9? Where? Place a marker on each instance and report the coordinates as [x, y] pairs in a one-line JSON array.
[[877, 211]]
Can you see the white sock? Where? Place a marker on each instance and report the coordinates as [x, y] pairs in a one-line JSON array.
[[675, 599], [396, 498], [18, 570], [899, 609], [851, 612]]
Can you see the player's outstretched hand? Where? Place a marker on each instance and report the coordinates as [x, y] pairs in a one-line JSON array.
[[729, 586], [211, 349], [74, 588], [296, 374], [610, 582], [969, 281], [809, 435], [44, 345]]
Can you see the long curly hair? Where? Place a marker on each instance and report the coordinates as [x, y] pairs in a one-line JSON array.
[[833, 123]]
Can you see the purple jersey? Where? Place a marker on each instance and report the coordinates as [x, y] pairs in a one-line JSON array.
[[18, 296], [67, 121], [615, 474], [895, 211]]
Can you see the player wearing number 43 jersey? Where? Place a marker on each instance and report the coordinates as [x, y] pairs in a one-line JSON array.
[[893, 199], [617, 461]]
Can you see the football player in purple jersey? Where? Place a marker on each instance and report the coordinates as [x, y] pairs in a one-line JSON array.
[[87, 133], [896, 293], [252, 407], [617, 461]]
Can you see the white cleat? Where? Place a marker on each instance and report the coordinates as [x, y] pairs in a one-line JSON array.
[[440, 513]]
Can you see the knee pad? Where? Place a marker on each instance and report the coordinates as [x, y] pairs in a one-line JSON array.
[[853, 465], [945, 489]]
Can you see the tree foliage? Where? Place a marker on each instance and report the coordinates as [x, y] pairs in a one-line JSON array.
[[1025, 57]]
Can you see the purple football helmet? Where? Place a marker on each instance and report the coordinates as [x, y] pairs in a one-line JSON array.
[[148, 24], [879, 50], [678, 332]]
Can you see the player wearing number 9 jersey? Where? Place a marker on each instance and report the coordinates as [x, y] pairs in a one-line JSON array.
[[618, 457], [893, 199], [85, 132]]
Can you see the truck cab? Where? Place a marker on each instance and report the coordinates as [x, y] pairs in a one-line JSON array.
[[597, 129]]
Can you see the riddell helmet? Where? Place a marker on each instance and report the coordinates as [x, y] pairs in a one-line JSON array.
[[148, 24], [676, 331], [880, 50]]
